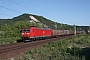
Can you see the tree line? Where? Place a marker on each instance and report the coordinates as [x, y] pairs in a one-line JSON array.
[[7, 30]]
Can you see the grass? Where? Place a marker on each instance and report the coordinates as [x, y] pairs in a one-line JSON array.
[[65, 49], [9, 40]]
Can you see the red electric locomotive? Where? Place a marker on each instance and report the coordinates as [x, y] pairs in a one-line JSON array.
[[34, 33]]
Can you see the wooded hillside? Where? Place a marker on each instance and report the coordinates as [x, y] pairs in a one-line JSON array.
[[12, 27]]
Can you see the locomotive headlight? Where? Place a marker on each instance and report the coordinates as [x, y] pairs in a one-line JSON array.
[[22, 33], [28, 33]]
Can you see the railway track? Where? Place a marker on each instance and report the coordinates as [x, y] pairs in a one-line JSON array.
[[6, 45], [7, 49]]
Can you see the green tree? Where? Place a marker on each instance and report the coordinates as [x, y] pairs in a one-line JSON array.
[[7, 29], [19, 25]]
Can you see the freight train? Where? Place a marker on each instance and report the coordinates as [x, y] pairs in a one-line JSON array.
[[34, 33]]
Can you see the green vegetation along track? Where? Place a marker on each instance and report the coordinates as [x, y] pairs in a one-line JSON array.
[[14, 50]]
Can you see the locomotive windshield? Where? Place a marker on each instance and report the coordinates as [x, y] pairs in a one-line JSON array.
[[25, 30]]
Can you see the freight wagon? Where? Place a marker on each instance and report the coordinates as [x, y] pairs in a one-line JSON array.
[[56, 33]]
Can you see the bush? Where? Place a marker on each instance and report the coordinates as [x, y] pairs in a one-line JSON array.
[[65, 49]]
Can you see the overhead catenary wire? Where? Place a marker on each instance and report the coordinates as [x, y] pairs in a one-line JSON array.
[[10, 9], [1, 13], [1, 6], [22, 6], [5, 15]]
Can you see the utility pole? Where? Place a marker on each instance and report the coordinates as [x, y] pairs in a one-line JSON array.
[[74, 29], [55, 26]]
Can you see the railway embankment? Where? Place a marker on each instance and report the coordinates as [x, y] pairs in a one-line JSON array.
[[15, 50], [73, 48]]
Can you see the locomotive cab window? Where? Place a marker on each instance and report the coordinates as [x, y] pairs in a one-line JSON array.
[[25, 30], [28, 30]]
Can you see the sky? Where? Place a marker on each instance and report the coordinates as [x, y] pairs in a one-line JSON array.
[[61, 11]]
